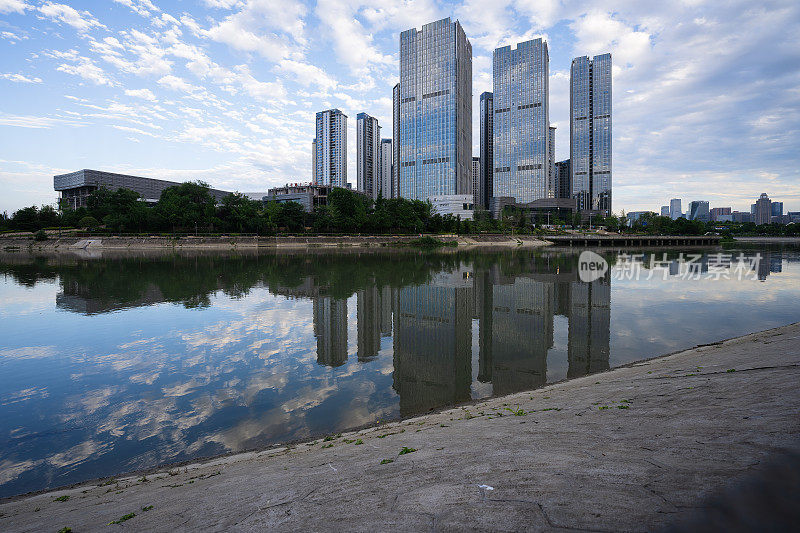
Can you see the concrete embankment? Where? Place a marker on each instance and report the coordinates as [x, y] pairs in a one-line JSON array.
[[635, 448], [66, 243]]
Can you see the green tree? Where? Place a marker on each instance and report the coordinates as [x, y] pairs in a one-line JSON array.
[[188, 206]]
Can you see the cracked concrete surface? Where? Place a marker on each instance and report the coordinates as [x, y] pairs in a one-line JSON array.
[[632, 449]]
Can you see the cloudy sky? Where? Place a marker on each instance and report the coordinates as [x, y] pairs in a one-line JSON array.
[[706, 94]]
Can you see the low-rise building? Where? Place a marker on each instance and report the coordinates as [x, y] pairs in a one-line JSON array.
[[76, 187], [308, 195], [717, 212], [458, 205], [551, 208], [634, 216]]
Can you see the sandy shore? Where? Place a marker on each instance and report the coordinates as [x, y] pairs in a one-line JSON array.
[[633, 448]]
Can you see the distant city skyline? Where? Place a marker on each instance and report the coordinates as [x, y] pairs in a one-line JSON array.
[[227, 94]]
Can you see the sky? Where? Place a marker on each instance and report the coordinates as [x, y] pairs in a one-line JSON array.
[[706, 95]]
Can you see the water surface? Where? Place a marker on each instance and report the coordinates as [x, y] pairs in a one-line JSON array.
[[113, 364]]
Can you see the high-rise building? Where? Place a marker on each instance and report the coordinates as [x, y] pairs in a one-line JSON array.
[[776, 209], [435, 111], [386, 180], [551, 164], [762, 214], [698, 210], [368, 146], [521, 126], [664, 210], [486, 140], [395, 140], [313, 159], [330, 149], [590, 132], [563, 177], [675, 209], [717, 212], [476, 179]]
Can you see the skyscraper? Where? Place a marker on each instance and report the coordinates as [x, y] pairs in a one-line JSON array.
[[395, 140], [664, 210], [486, 140], [675, 209], [698, 210], [762, 214], [368, 145], [590, 132], [435, 111], [521, 150], [476, 179], [387, 169], [330, 149], [551, 163], [563, 177]]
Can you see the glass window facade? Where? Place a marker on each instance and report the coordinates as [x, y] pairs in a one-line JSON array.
[[486, 144], [590, 132], [368, 140], [521, 126], [435, 109], [330, 148]]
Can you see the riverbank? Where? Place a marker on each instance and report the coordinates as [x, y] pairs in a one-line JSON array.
[[768, 240], [157, 242], [634, 448]]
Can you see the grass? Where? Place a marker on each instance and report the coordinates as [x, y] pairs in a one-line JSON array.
[[387, 461], [731, 370], [147, 508], [359, 441], [518, 412], [623, 407], [65, 529], [404, 450], [62, 498], [327, 445], [603, 407], [123, 518]]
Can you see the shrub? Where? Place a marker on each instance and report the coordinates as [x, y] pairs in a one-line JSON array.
[[88, 222], [40, 235]]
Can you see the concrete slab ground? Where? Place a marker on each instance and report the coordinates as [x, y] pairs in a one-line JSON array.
[[633, 449]]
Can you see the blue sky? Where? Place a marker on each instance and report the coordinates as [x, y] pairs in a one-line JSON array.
[[706, 94]]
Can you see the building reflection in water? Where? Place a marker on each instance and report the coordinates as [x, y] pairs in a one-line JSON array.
[[330, 329]]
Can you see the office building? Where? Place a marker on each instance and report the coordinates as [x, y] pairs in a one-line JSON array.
[[76, 187], [590, 132], [776, 209], [396, 141], [458, 205], [717, 212], [698, 210], [368, 147], [664, 210], [476, 179], [762, 212], [486, 142], [330, 149], [675, 209], [387, 169], [563, 177], [521, 126], [551, 164], [741, 216], [633, 216], [435, 111]]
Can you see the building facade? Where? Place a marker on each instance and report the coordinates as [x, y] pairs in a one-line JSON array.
[[435, 111], [521, 126], [762, 213], [330, 149], [664, 210], [458, 205], [776, 209], [76, 187], [307, 195], [387, 169], [486, 140], [698, 210], [368, 152], [717, 212], [551, 164], [395, 140], [590, 132], [563, 179], [675, 209], [476, 180]]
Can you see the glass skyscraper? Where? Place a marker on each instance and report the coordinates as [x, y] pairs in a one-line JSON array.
[[330, 149], [486, 143], [387, 166], [522, 163], [435, 107], [396, 141], [368, 141], [590, 132]]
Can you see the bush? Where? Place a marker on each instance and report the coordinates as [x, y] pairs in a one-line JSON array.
[[88, 222], [40, 235]]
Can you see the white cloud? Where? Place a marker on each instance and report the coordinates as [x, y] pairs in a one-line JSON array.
[[307, 74], [81, 21], [144, 94], [86, 69], [13, 6], [141, 7], [20, 78]]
